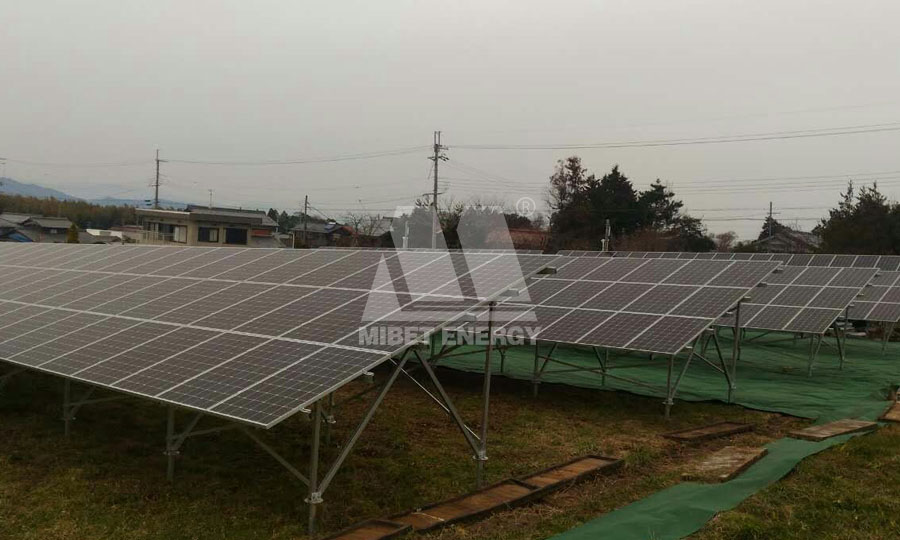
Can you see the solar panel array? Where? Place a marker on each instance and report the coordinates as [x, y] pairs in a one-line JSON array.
[[651, 306], [254, 335], [877, 304], [803, 300], [881, 302], [889, 263], [452, 250]]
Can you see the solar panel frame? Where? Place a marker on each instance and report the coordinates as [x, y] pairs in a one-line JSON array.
[[170, 305], [616, 302], [792, 306]]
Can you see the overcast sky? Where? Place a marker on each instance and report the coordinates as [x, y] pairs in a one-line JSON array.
[[109, 81]]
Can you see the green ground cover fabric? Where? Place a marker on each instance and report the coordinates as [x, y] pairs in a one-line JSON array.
[[771, 376], [684, 508]]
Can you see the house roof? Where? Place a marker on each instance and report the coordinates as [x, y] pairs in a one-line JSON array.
[[254, 218], [34, 235], [323, 228], [231, 213], [18, 219], [792, 240], [49, 223]]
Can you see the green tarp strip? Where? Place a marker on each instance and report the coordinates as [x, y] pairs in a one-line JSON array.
[[771, 377], [683, 509]]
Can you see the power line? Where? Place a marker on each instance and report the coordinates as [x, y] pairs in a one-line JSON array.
[[302, 161], [782, 178], [748, 137], [130, 163]]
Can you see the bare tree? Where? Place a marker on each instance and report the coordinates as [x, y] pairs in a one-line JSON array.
[[725, 241], [365, 227]]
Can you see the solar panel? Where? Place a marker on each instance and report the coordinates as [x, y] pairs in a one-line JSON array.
[[804, 299], [860, 309], [572, 326], [249, 334], [657, 304], [880, 301]]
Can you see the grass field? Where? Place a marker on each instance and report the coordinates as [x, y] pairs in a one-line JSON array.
[[849, 491], [108, 478]]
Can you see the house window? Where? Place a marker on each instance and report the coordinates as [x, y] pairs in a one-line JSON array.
[[236, 236], [179, 233], [208, 234]]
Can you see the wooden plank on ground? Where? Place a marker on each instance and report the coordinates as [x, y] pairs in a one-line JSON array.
[[833, 429], [725, 464], [477, 504], [568, 473], [892, 414], [375, 529], [712, 431]]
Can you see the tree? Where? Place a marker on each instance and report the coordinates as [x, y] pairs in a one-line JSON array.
[[771, 227], [72, 234], [863, 222], [273, 215], [482, 227], [515, 220], [568, 183], [79, 212], [613, 198], [568, 199], [690, 234], [658, 206], [725, 241], [582, 204]]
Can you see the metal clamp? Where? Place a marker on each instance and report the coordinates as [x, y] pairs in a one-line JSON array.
[[314, 498]]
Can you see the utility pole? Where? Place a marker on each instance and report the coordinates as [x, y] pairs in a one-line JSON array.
[[210, 198], [769, 246], [606, 235], [305, 219], [437, 158], [156, 183]]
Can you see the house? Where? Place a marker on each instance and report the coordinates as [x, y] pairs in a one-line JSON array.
[[375, 233], [128, 233], [789, 241], [322, 234], [529, 239], [6, 227], [206, 226], [18, 219], [25, 228], [106, 236]]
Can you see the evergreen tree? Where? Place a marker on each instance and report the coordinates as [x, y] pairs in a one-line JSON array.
[[613, 198], [658, 206], [776, 227], [582, 203], [72, 234], [863, 222]]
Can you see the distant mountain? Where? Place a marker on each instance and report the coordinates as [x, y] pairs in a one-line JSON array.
[[12, 187], [9, 186], [141, 203]]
